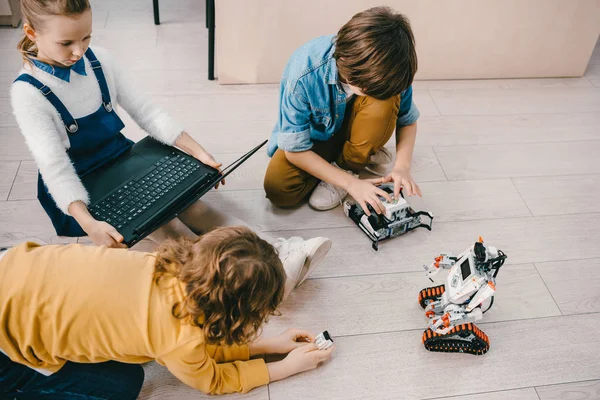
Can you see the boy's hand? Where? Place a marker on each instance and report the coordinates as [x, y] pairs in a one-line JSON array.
[[203, 156], [103, 234], [402, 179], [365, 192]]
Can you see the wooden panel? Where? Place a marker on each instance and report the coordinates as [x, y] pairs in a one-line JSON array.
[[519, 160], [22, 221], [8, 171], [577, 390], [517, 394], [25, 185], [468, 200], [390, 365], [573, 284], [523, 101], [504, 84], [557, 195], [13, 146], [468, 130]]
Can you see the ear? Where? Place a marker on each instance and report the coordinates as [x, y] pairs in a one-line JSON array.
[[29, 31]]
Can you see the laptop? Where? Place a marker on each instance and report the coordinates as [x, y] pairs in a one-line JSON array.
[[148, 186]]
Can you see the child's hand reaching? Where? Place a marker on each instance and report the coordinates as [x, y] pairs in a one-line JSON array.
[[365, 192], [281, 344], [289, 340], [301, 359], [402, 179], [103, 234]]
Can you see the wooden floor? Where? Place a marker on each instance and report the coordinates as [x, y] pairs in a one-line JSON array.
[[515, 161]]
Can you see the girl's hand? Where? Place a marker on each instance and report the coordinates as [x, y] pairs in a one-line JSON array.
[[402, 179], [103, 234], [365, 192], [287, 341], [203, 156]]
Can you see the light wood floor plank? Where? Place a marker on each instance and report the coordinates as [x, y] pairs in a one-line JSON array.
[[6, 117], [153, 83], [524, 240], [180, 35], [504, 84], [22, 221], [575, 285], [6, 80], [395, 365], [467, 130], [169, 16], [25, 184], [468, 200], [560, 194], [188, 63], [13, 146], [8, 172], [522, 101], [11, 59], [252, 207], [519, 160], [516, 394], [383, 303], [9, 37], [144, 37], [577, 390]]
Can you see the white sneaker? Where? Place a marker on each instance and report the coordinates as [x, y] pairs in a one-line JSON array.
[[327, 196], [300, 258], [380, 162]]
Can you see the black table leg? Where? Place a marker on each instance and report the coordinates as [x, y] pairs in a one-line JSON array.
[[156, 13], [210, 24]]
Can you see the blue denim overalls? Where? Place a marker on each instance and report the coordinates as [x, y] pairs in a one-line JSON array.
[[95, 140]]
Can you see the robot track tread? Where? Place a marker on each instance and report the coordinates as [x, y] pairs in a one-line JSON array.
[[430, 293], [465, 338]]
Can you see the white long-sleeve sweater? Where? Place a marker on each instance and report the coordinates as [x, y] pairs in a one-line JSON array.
[[45, 133]]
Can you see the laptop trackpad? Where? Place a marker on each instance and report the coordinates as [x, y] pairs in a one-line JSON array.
[[101, 182]]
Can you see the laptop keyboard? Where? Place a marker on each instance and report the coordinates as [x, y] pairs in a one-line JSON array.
[[136, 196]]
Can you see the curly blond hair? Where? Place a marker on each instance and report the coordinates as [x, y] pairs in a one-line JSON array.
[[234, 281]]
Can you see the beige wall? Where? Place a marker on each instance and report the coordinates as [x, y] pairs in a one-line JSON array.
[[10, 12], [456, 39], [5, 8]]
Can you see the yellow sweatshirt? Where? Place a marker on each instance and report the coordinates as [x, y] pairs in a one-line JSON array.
[[92, 304]]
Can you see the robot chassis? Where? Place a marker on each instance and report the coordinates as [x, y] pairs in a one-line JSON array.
[[398, 218], [454, 306]]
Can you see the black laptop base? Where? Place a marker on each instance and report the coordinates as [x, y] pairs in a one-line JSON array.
[[148, 186]]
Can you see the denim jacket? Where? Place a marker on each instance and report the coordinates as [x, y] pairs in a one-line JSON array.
[[312, 102]]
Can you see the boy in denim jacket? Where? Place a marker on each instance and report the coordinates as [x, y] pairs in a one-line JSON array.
[[341, 98]]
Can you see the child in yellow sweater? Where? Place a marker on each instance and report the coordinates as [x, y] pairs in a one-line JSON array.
[[78, 320]]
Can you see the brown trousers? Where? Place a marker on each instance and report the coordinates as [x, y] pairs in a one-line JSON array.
[[368, 125]]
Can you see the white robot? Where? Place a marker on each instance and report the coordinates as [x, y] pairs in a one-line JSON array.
[[453, 307], [398, 218]]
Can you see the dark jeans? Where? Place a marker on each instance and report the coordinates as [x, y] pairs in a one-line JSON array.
[[108, 380]]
